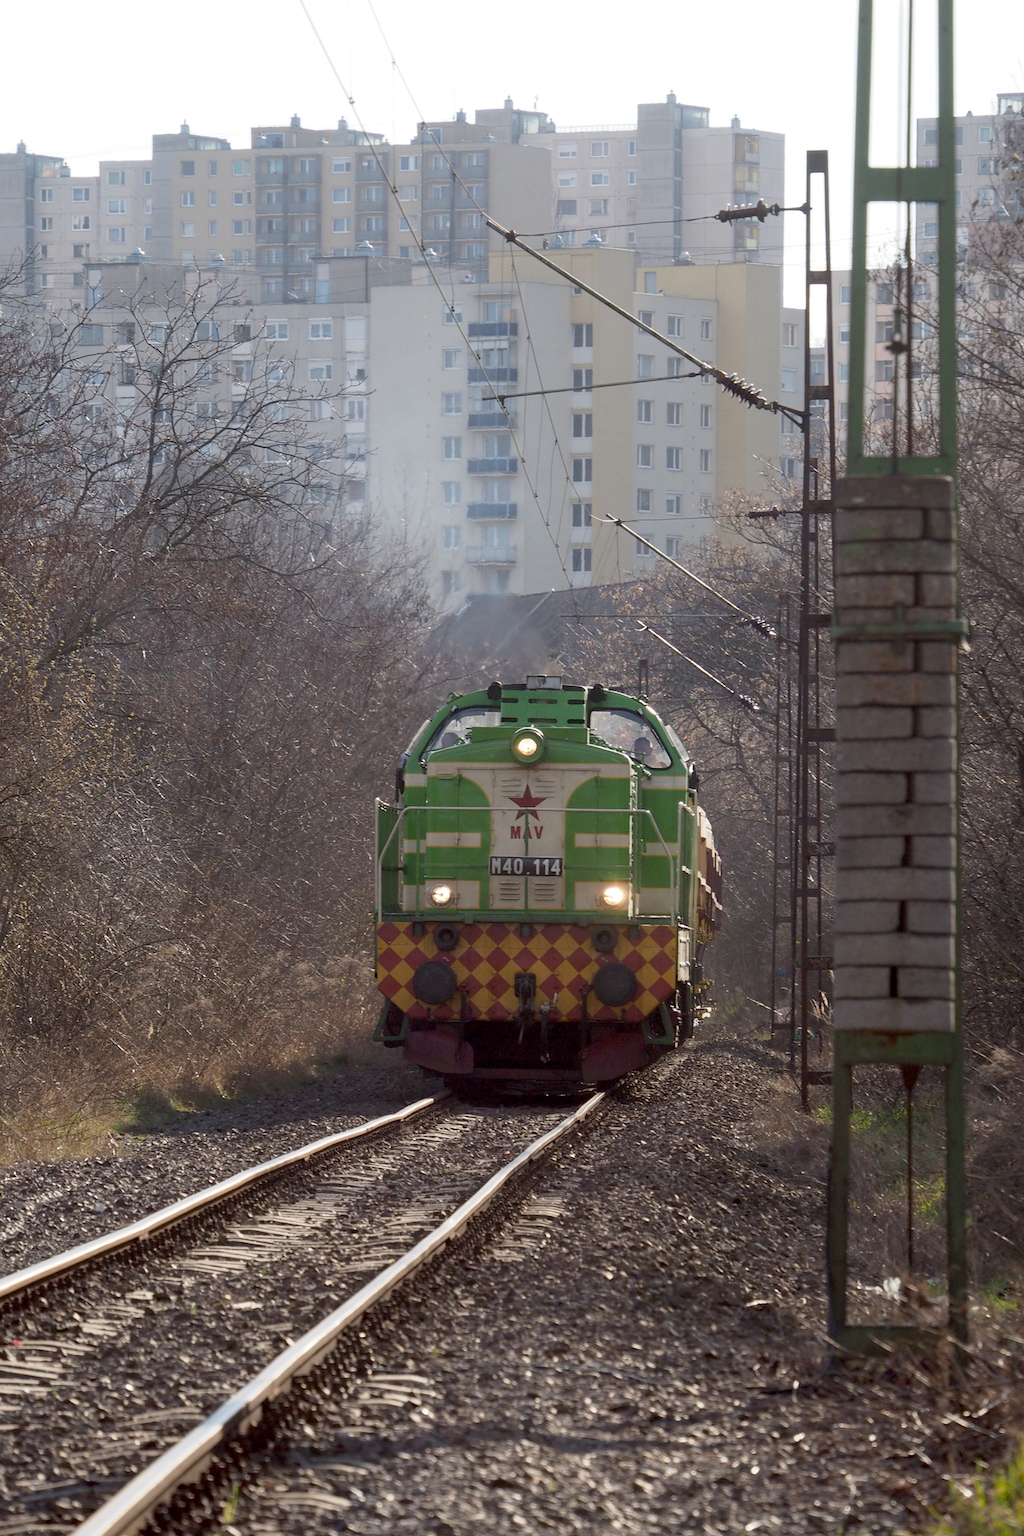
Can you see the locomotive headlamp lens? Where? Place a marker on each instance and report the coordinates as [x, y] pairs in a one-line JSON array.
[[528, 746], [614, 896], [442, 895]]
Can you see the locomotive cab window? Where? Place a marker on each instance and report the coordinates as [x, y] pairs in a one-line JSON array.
[[629, 732], [454, 732]]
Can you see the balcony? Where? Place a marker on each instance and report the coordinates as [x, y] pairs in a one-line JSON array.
[[491, 466], [493, 421], [492, 509], [493, 328], [491, 554], [494, 375]]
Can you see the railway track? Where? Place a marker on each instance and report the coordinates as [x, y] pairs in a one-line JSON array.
[[104, 1374]]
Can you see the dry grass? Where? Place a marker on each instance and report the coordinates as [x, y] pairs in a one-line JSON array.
[[72, 1100]]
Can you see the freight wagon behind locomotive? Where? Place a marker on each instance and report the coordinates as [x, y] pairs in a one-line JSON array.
[[546, 887]]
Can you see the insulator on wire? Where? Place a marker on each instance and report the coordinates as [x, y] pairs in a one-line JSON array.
[[759, 210]]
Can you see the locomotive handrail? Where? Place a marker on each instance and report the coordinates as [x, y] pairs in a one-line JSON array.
[[603, 810]]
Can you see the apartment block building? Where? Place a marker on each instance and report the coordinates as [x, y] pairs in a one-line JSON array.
[[988, 185], [601, 422], [317, 353], [652, 186]]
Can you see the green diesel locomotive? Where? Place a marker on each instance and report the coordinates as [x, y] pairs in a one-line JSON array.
[[547, 885]]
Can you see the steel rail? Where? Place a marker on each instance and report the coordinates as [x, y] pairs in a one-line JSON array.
[[133, 1506], [147, 1226]]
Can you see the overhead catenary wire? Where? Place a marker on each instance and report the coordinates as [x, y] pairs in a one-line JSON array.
[[731, 383], [570, 389], [741, 698], [761, 625]]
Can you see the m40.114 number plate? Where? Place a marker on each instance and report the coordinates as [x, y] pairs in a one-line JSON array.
[[513, 864]]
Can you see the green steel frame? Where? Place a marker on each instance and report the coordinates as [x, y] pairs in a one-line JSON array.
[[905, 185]]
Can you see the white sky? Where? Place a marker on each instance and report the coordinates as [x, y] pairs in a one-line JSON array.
[[95, 81]]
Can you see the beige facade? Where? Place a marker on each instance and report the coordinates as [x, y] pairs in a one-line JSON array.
[[524, 505]]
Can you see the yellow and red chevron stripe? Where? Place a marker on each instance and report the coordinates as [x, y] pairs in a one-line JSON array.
[[561, 956]]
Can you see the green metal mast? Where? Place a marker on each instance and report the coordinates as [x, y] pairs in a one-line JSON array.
[[897, 629]]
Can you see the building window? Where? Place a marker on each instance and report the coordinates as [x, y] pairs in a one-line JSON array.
[[673, 506], [582, 424], [985, 135], [567, 178], [631, 178], [46, 223], [643, 501], [673, 414], [452, 492], [583, 379], [642, 551], [46, 195], [581, 557], [673, 458], [341, 226], [705, 415], [79, 194], [80, 221], [789, 335], [582, 471], [116, 236], [986, 197], [188, 229], [451, 447], [452, 405], [567, 151], [320, 371], [451, 536], [211, 227], [581, 514], [374, 224], [845, 293], [931, 229], [188, 167], [598, 206], [600, 179], [79, 252], [276, 330], [705, 461], [646, 317], [474, 252], [789, 379], [844, 373], [451, 357], [188, 199], [645, 410], [706, 506], [675, 325], [644, 455], [321, 330], [674, 367], [565, 207], [241, 198], [705, 329], [211, 198], [583, 335], [343, 167], [673, 548], [599, 150], [645, 365], [453, 315]]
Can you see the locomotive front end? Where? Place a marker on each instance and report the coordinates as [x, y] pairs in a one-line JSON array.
[[536, 889]]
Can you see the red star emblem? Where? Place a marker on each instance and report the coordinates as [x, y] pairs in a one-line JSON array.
[[527, 800]]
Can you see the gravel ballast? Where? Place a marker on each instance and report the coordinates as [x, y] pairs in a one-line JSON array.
[[621, 1357]]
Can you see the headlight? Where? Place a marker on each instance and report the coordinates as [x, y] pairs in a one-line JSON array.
[[528, 746], [442, 895], [615, 896]]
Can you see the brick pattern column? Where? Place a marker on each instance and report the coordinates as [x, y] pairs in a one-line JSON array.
[[897, 641]]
